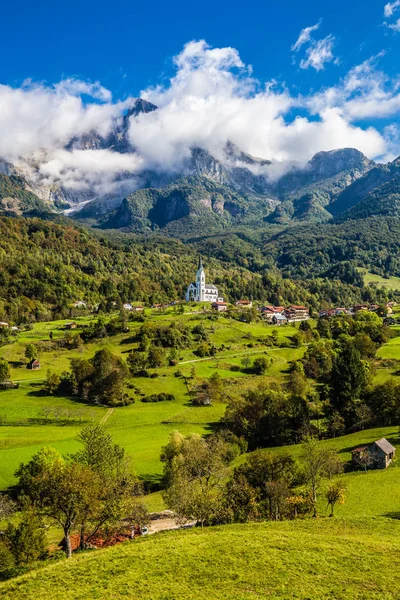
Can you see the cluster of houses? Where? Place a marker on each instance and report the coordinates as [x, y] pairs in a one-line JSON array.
[[356, 308], [4, 325], [279, 315]]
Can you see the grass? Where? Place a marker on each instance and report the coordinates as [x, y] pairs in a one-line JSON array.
[[303, 560], [141, 428], [354, 556], [390, 283]]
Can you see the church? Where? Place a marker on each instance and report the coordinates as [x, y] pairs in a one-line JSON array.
[[200, 291]]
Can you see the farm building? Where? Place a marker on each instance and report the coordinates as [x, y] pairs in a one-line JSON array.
[[296, 313], [279, 319], [34, 365], [219, 306], [380, 454], [244, 303], [70, 325]]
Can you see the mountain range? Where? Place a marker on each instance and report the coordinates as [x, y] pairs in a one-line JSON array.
[[207, 193]]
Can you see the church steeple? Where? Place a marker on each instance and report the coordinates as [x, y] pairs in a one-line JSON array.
[[200, 281]]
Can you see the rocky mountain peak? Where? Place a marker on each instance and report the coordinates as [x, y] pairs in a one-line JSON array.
[[328, 164]]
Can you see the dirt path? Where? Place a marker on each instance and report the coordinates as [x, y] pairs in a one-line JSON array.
[[107, 416]]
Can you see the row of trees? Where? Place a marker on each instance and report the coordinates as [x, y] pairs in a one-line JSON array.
[[86, 493], [200, 485]]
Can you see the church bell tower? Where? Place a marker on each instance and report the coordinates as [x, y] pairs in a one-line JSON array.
[[200, 282]]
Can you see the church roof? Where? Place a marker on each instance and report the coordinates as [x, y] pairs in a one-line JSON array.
[[210, 286]]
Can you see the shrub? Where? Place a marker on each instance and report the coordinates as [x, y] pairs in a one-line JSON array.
[[159, 398]]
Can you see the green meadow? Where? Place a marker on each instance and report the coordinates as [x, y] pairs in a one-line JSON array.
[[354, 556], [351, 559], [389, 283], [141, 428]]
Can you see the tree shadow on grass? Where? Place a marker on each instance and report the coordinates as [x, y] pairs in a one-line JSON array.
[[17, 364], [392, 515], [38, 393], [151, 482]]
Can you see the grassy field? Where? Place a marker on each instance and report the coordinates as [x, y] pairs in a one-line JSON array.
[[354, 556], [353, 559], [391, 283], [141, 428]]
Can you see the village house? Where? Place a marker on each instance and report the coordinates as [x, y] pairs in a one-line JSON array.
[[79, 304], [33, 365], [373, 307], [267, 313], [71, 325], [219, 306], [357, 307], [4, 325], [380, 453], [279, 319], [390, 306], [244, 304], [138, 308], [296, 313], [127, 306]]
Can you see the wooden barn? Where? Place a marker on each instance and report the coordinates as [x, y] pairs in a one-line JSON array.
[[34, 365], [379, 454]]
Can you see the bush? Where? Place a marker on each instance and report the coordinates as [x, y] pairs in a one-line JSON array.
[[159, 398]]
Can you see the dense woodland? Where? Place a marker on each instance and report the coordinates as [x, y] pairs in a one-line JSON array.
[[45, 266]]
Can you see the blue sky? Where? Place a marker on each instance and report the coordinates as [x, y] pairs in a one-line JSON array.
[[129, 45], [280, 79]]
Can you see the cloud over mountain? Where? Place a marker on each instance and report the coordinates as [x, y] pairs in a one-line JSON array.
[[211, 99]]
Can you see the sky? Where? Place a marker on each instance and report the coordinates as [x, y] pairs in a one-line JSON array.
[[282, 79]]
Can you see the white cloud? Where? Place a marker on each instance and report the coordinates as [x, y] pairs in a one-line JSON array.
[[394, 26], [318, 54], [41, 117], [211, 99], [364, 93], [390, 8], [207, 103], [305, 36]]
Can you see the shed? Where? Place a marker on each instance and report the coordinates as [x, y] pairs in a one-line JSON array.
[[219, 306], [381, 454], [34, 365]]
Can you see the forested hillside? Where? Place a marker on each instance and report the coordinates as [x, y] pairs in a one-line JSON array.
[[45, 266]]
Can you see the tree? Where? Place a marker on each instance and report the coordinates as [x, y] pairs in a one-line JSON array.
[[335, 494], [119, 490], [7, 561], [264, 482], [62, 491], [349, 378], [260, 365], [364, 460], [27, 539], [92, 489], [196, 470], [52, 382], [7, 507], [31, 352], [317, 461], [4, 370], [156, 356]]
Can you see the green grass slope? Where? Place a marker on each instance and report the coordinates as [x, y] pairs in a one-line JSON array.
[[313, 560]]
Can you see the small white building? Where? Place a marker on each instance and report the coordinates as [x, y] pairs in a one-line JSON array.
[[200, 291], [80, 304]]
